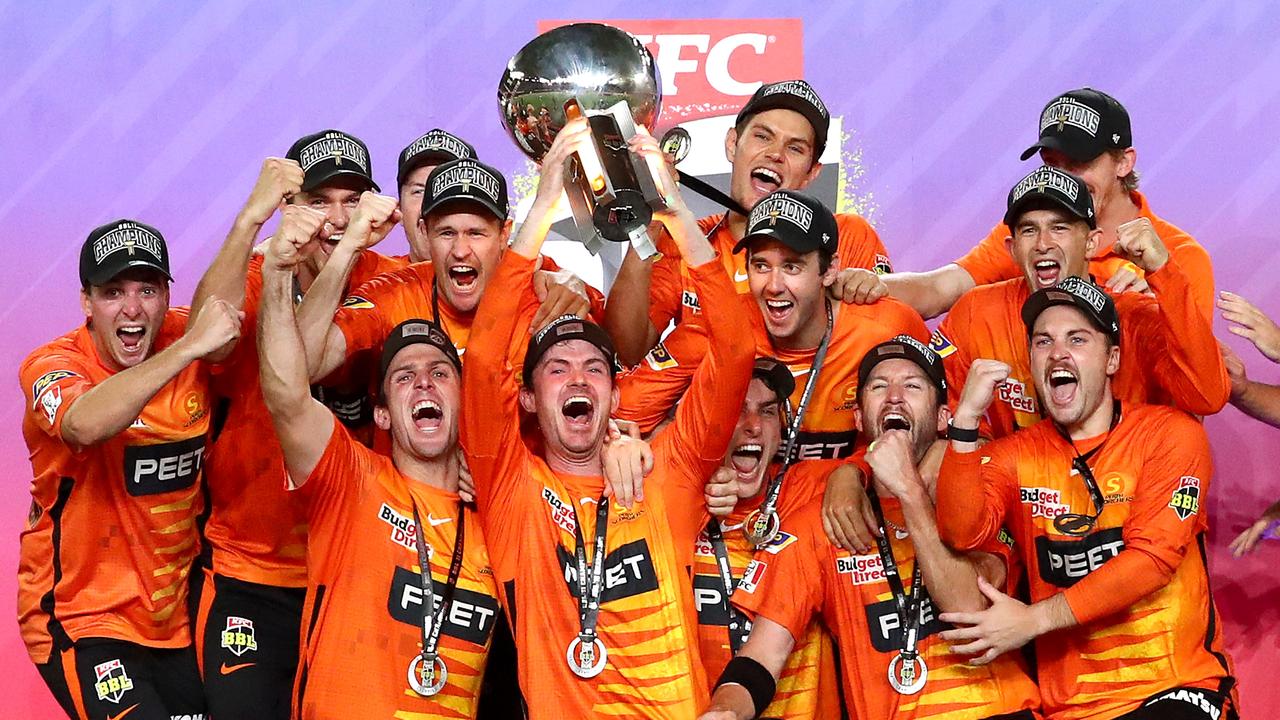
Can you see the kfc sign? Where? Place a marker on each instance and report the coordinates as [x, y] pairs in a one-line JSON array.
[[711, 67]]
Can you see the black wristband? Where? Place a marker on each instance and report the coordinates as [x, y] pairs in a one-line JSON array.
[[961, 434], [754, 677]]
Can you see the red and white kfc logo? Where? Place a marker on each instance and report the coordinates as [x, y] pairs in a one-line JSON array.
[[711, 67]]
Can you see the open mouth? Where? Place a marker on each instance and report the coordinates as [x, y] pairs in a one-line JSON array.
[[1062, 385], [1047, 272], [895, 421], [778, 310], [765, 181], [427, 415], [131, 337], [463, 276], [746, 458], [578, 410]]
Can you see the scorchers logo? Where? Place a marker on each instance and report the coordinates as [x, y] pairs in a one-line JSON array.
[[710, 67]]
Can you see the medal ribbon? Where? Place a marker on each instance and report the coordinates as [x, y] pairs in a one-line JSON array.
[[431, 635], [590, 578], [908, 609], [737, 620]]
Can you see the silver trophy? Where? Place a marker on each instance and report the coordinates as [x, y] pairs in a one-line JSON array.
[[607, 75]]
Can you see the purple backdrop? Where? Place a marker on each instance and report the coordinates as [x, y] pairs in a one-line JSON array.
[[134, 109]]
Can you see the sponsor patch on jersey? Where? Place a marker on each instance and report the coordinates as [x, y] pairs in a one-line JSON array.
[[689, 299], [355, 302], [470, 617], [1014, 392], [861, 569], [50, 401], [111, 681], [561, 512], [1186, 499], [628, 571], [752, 576], [882, 266], [239, 637], [1063, 563], [940, 344], [43, 382], [1044, 502], [404, 531], [659, 359], [885, 625], [779, 541], [163, 467]]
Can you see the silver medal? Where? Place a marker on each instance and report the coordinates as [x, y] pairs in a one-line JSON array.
[[586, 659], [907, 674], [427, 679], [761, 528]]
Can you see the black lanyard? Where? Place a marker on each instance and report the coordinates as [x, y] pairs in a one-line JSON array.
[[762, 525], [1078, 523], [908, 608], [435, 304], [739, 627], [432, 619], [590, 579]]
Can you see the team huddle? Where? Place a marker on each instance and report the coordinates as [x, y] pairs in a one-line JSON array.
[[749, 482]]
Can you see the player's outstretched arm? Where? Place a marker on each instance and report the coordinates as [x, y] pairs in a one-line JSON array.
[[302, 423], [930, 293], [626, 314], [108, 408], [965, 476], [744, 690], [1259, 401], [326, 347]]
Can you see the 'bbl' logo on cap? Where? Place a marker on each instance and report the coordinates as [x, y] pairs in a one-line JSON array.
[[333, 146], [1068, 111], [465, 175], [128, 237], [780, 206], [800, 89]]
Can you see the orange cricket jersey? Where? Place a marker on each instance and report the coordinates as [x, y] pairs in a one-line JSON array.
[[111, 533], [673, 297], [808, 576], [1168, 355], [808, 686], [256, 529], [989, 261], [647, 621], [1154, 470], [651, 388], [362, 614]]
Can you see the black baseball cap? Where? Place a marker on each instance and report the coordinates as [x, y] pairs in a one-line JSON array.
[[466, 179], [1081, 294], [776, 375], [908, 348], [1082, 124], [118, 246], [331, 154], [412, 332], [798, 96], [794, 219], [566, 327], [437, 146], [1050, 186]]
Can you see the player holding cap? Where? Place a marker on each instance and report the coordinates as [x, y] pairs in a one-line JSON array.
[[776, 143], [379, 527], [807, 685], [251, 605], [880, 606], [116, 417], [1171, 356], [598, 593], [415, 163], [1084, 132], [1103, 501]]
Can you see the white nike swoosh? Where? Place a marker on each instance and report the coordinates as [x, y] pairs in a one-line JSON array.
[[798, 373], [437, 522], [740, 276], [901, 534]]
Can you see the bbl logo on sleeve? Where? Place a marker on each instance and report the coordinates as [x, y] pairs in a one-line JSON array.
[[1186, 499], [111, 681], [239, 637]]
